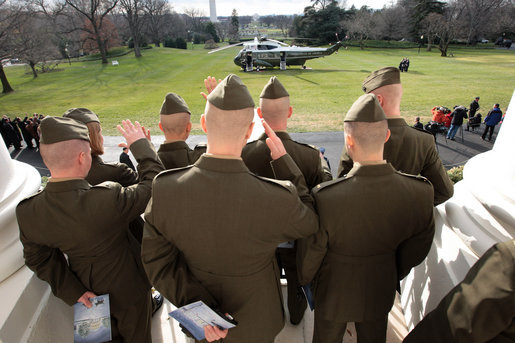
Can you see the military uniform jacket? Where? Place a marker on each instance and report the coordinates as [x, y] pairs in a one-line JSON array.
[[178, 154], [116, 172], [479, 309], [256, 156], [375, 225], [211, 232], [413, 152], [89, 225]]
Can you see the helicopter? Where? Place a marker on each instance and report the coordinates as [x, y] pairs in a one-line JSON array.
[[269, 53]]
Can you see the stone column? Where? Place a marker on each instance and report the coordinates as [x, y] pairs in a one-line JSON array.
[[480, 214]]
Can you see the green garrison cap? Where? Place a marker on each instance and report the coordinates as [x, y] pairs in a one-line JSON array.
[[231, 94], [382, 77], [274, 89], [81, 114], [365, 109], [173, 103], [58, 129]]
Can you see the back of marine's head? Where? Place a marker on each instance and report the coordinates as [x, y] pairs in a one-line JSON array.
[[274, 102], [174, 117], [229, 108]]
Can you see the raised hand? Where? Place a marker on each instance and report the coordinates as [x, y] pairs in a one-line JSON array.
[[210, 84], [131, 132], [274, 143]]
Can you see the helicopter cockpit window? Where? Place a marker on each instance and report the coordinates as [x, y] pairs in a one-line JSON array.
[[266, 47]]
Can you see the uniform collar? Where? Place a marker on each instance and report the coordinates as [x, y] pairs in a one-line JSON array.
[[398, 121], [371, 170], [283, 135], [218, 164], [176, 145], [64, 186]]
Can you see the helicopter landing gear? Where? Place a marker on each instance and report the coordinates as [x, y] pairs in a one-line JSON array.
[[304, 66]]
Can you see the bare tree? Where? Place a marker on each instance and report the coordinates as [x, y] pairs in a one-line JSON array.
[[9, 15], [222, 30], [479, 14], [430, 26], [33, 41], [155, 11], [94, 12], [284, 22], [194, 16], [361, 26], [392, 23], [448, 25], [132, 11]]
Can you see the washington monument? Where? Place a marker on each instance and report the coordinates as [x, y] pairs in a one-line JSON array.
[[212, 10]]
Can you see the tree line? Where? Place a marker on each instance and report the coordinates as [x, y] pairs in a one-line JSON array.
[[37, 31]]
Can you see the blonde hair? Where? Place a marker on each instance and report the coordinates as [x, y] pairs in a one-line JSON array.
[[95, 138]]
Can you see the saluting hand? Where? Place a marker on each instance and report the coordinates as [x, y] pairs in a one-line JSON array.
[[85, 298], [210, 84], [131, 132], [274, 143]]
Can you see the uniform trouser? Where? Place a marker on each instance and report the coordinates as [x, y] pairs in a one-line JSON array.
[[286, 259], [491, 128], [132, 324], [329, 331]]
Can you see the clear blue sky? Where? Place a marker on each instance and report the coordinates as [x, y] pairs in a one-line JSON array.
[[263, 7]]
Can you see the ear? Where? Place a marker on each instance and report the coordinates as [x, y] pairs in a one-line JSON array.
[[249, 131], [380, 98], [290, 111], [188, 127], [161, 127], [203, 123], [259, 112], [388, 134]]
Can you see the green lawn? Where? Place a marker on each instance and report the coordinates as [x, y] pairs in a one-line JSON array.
[[320, 96]]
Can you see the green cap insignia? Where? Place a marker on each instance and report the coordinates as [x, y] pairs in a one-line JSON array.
[[173, 103], [81, 114], [365, 109], [382, 77], [274, 89], [231, 94], [58, 129]]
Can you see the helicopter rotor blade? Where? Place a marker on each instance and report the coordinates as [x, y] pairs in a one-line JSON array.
[[276, 41], [225, 47]]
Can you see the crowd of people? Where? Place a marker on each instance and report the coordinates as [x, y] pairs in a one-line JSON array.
[[17, 130], [222, 219], [449, 122]]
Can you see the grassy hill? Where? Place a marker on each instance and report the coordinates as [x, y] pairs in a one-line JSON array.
[[320, 96]]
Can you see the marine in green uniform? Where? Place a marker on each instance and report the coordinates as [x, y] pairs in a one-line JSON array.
[[274, 107], [481, 308], [176, 125], [89, 225], [101, 171], [375, 225], [408, 150], [212, 228]]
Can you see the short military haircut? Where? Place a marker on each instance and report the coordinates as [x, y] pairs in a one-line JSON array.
[[275, 110], [232, 124], [369, 137], [63, 155], [175, 124]]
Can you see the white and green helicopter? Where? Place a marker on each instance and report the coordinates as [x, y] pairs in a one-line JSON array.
[[271, 53]]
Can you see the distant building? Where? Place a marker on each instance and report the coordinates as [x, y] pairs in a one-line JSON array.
[[212, 11]]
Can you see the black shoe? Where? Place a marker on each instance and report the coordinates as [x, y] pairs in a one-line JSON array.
[[483, 138], [157, 301], [452, 139]]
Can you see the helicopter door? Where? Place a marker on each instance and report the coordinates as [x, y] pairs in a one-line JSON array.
[[282, 63], [250, 61]]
